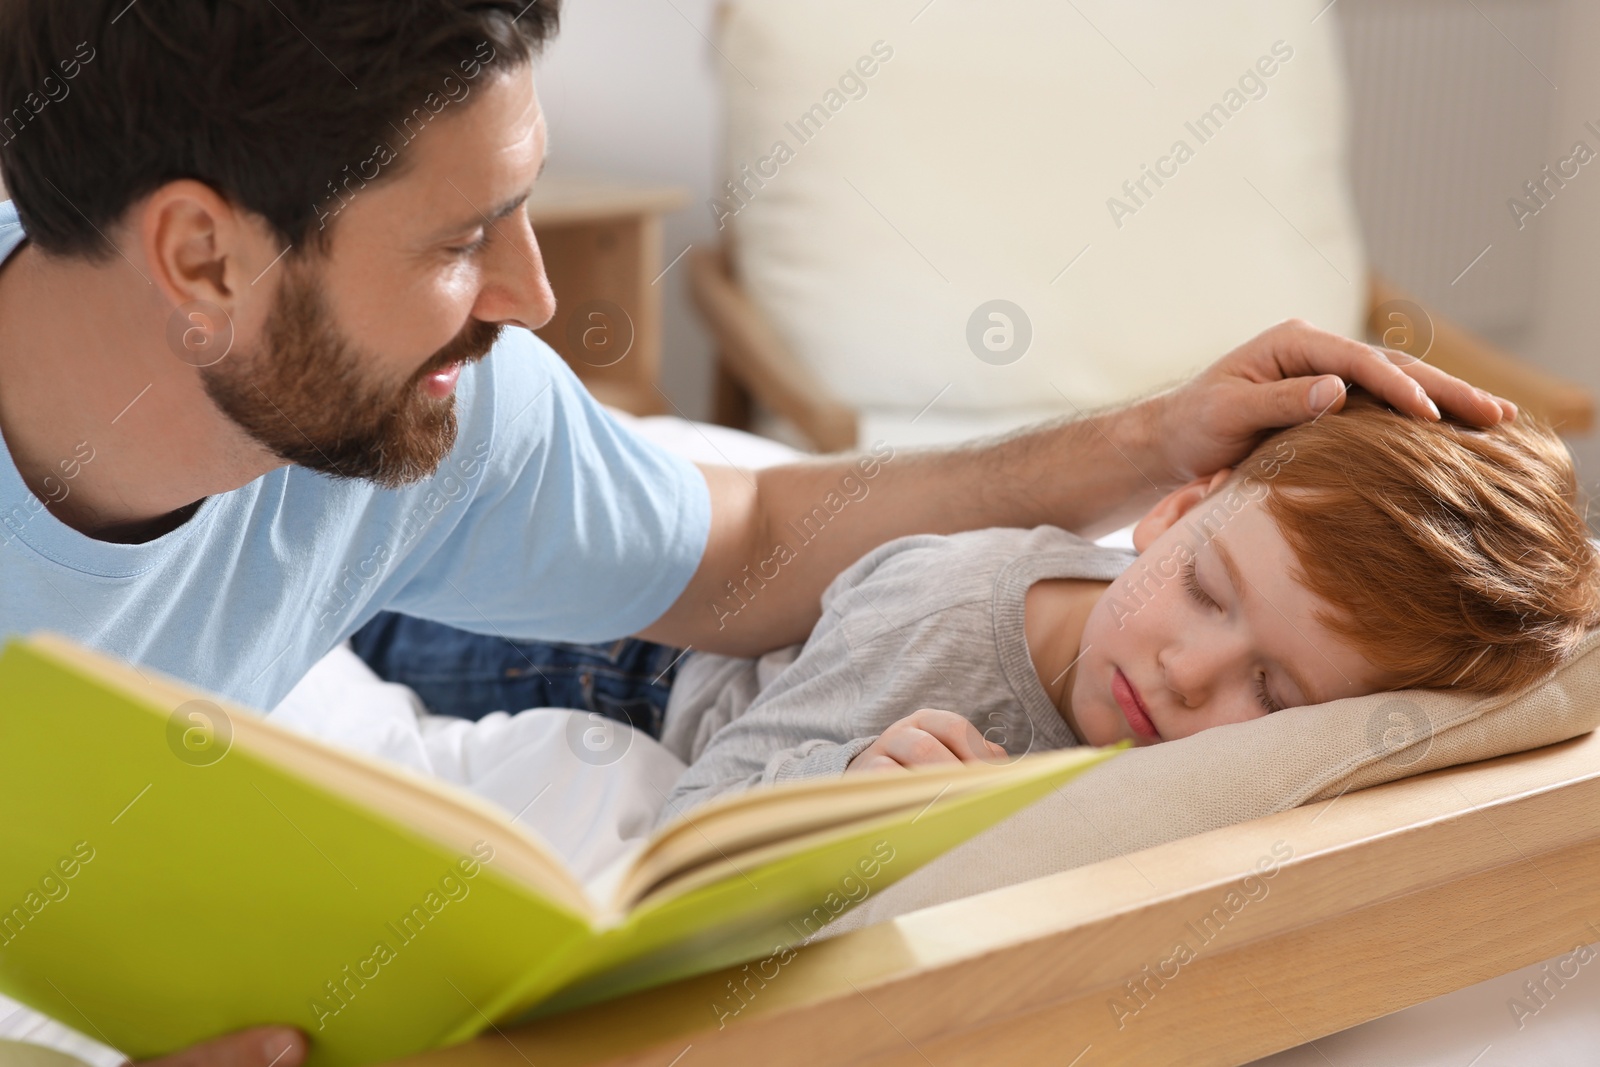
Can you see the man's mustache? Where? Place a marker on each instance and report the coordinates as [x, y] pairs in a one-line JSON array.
[[472, 344]]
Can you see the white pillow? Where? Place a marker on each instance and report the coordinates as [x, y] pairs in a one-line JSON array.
[[976, 163]]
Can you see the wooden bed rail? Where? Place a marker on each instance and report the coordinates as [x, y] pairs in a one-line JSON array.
[[1296, 925]]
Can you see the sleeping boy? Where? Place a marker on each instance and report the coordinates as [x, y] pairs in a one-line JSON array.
[[1358, 553]]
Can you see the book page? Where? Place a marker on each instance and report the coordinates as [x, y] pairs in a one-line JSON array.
[[711, 841]]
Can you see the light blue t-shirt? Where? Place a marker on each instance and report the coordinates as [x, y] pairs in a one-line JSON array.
[[549, 520]]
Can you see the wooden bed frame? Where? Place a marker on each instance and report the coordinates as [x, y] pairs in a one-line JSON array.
[[1379, 899], [1388, 896]]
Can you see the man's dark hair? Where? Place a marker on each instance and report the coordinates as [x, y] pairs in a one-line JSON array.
[[285, 107]]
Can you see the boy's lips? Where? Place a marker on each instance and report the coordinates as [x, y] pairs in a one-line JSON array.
[[1127, 698]]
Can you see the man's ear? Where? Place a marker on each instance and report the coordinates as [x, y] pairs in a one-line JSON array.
[[1174, 506], [199, 246]]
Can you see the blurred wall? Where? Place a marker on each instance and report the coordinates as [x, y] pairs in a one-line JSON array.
[[631, 90], [1567, 337], [1456, 107]]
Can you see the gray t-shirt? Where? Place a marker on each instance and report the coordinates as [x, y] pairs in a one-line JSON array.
[[921, 622]]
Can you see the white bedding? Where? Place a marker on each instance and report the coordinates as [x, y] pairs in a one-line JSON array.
[[587, 785]]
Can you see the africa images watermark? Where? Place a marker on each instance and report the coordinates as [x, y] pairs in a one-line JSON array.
[[1540, 191], [854, 887], [807, 527], [53, 887], [54, 90], [752, 179], [13, 522], [1252, 85], [340, 991], [455, 91], [1538, 992], [1140, 990]]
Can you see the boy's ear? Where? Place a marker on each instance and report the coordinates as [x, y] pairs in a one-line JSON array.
[[1174, 506]]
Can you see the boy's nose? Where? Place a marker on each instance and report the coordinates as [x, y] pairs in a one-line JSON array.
[[1194, 672], [1181, 675]]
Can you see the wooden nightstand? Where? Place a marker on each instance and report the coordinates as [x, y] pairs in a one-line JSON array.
[[602, 249]]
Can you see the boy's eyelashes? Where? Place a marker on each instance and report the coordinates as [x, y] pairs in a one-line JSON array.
[[1264, 697], [1191, 582]]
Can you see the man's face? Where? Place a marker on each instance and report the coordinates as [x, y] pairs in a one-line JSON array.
[[1209, 626], [353, 370]]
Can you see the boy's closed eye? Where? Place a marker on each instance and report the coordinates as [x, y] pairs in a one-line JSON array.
[[1191, 583]]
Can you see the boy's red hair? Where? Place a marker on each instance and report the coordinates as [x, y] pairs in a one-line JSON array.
[[1456, 556]]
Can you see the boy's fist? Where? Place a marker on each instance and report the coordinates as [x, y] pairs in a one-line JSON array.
[[927, 737]]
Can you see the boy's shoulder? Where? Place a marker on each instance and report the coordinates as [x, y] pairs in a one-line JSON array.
[[952, 568]]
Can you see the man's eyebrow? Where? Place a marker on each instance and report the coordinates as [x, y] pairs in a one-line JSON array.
[[1240, 587], [496, 213]]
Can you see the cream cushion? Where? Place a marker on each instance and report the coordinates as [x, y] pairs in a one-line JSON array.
[[979, 163], [1243, 771]]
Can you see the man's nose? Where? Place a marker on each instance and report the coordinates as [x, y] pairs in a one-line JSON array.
[[517, 291]]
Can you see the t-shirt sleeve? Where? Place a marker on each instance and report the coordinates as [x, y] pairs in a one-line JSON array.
[[827, 706], [803, 725], [579, 530]]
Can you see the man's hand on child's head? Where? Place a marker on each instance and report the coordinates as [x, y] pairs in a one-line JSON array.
[[1290, 374], [926, 738]]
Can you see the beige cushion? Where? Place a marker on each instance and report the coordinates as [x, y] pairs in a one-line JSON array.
[[1243, 771], [980, 162]]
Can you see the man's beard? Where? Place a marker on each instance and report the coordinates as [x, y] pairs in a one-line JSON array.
[[303, 395]]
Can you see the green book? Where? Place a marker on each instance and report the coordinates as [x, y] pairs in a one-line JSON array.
[[173, 867]]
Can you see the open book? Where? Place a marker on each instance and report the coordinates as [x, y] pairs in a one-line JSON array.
[[173, 867]]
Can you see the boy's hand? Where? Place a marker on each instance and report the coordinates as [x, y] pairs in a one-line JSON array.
[[924, 738]]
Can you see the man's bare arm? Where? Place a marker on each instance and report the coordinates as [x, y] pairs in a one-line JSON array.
[[781, 535]]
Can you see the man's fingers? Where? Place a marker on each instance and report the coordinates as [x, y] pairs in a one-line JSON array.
[[1286, 403], [264, 1046], [1377, 373], [1467, 402], [1326, 396], [1298, 349]]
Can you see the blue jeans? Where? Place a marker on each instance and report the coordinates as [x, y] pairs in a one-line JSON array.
[[468, 675]]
